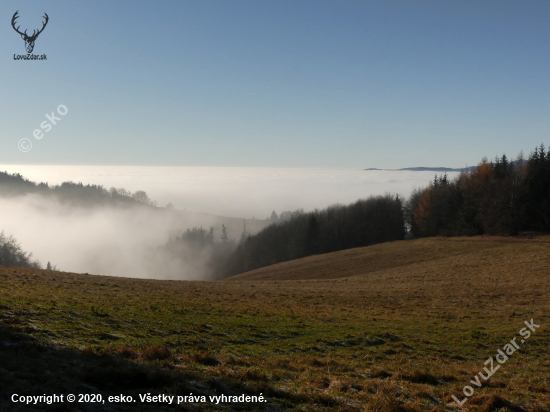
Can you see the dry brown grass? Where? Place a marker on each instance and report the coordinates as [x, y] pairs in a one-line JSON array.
[[155, 352], [394, 327], [366, 260], [490, 403], [206, 358]]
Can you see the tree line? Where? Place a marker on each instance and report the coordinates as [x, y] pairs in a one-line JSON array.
[[11, 254], [76, 194], [374, 220], [501, 197], [198, 247]]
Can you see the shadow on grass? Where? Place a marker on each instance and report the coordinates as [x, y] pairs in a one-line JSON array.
[[33, 369]]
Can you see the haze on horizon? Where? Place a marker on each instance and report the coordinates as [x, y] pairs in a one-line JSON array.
[[236, 192], [127, 242]]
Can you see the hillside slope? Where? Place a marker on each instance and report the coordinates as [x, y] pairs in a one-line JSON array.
[[486, 251], [408, 327]]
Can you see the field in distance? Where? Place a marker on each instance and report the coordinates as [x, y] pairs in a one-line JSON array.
[[400, 326], [470, 253]]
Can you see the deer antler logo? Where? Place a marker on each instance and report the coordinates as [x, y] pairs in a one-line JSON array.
[[29, 40]]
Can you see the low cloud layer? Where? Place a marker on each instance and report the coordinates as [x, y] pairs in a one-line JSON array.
[[233, 191], [106, 240], [126, 241]]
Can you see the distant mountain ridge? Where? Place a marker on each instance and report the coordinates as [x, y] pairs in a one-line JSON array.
[[427, 169]]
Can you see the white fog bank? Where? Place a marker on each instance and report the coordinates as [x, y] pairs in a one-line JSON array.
[[126, 241], [233, 191]]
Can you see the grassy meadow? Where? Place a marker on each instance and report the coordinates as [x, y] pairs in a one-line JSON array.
[[400, 326]]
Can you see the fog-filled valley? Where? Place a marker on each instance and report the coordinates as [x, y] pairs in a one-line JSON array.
[[87, 229], [240, 192], [141, 234]]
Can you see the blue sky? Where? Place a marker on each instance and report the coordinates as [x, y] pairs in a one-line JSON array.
[[277, 83]]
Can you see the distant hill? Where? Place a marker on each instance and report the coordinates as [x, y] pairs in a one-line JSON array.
[[407, 259], [441, 169], [427, 169], [369, 221], [76, 194], [89, 196]]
